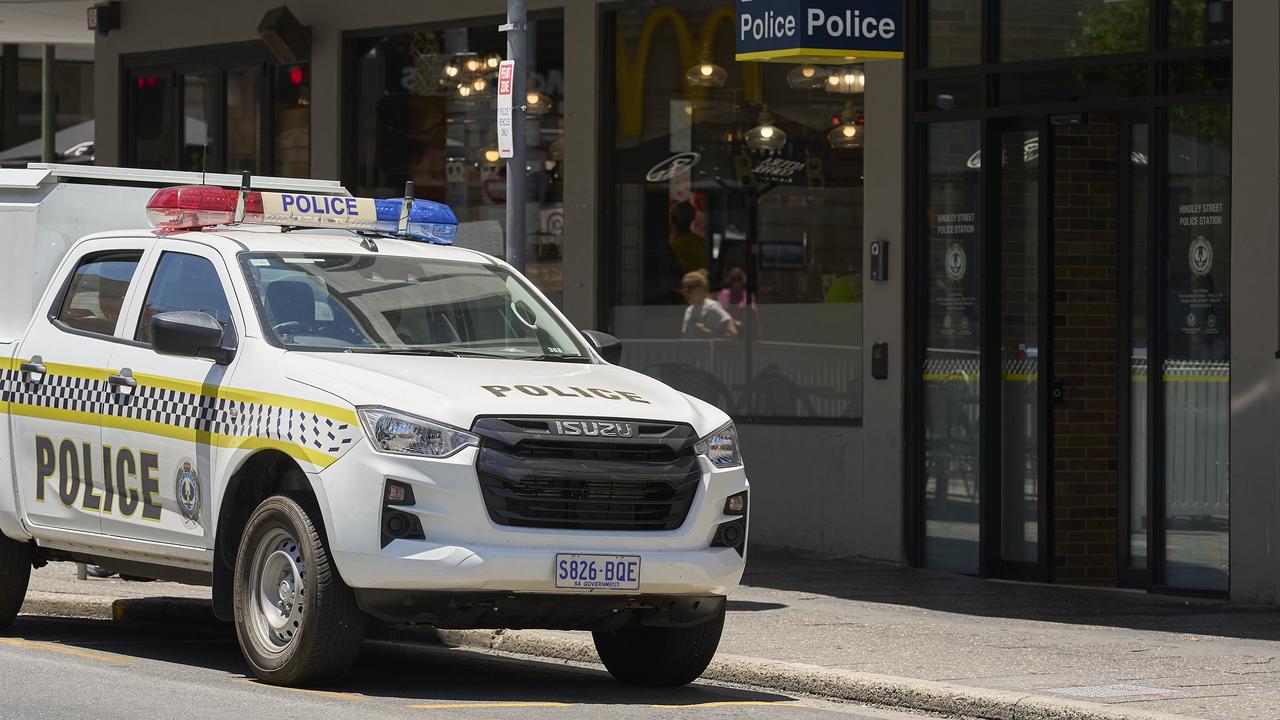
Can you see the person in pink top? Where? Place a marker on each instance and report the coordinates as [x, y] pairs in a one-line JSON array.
[[735, 298]]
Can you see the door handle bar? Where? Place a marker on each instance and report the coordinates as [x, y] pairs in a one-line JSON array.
[[123, 380], [34, 366]]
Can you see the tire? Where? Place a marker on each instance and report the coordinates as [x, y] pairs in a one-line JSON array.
[[660, 656], [308, 629], [15, 573]]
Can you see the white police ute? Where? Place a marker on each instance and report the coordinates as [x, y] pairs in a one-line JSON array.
[[317, 406]]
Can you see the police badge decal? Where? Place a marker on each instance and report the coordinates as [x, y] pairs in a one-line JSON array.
[[186, 489]]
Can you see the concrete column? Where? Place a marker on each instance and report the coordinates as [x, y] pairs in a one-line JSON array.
[[882, 313], [582, 83], [1255, 277]]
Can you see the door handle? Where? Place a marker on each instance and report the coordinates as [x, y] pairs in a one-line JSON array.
[[122, 381], [34, 366]]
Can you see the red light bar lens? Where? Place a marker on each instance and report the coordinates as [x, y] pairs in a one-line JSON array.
[[196, 206]]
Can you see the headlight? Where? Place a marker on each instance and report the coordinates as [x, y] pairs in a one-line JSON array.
[[721, 447], [403, 434]]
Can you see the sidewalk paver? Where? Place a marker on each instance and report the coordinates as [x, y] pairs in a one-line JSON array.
[[1192, 657]]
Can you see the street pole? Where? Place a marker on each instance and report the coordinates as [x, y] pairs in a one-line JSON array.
[[47, 125], [516, 29]]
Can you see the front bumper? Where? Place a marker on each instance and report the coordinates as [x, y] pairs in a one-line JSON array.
[[544, 611], [465, 551]]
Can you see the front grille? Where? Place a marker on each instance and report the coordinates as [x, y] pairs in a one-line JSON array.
[[533, 478]]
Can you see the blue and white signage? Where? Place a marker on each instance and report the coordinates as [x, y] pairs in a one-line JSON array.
[[816, 31]]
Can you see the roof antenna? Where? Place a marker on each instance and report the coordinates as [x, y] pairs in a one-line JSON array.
[[402, 227], [204, 162], [245, 178]]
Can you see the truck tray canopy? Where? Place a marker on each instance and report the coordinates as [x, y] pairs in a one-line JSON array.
[[45, 208]]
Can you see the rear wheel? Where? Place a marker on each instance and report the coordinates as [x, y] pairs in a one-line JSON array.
[[297, 622], [640, 655], [15, 573]]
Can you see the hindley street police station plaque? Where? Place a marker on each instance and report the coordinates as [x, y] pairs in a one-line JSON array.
[[819, 31]]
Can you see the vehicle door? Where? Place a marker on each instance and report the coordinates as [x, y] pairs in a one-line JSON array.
[[165, 437], [60, 385]]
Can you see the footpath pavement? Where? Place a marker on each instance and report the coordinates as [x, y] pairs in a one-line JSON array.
[[882, 634]]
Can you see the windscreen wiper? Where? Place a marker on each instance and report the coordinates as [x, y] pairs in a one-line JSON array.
[[555, 357], [429, 352]]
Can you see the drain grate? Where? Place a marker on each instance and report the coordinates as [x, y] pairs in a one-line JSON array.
[[1096, 692]]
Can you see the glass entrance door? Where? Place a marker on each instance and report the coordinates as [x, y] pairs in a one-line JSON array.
[[1022, 303], [1076, 360]]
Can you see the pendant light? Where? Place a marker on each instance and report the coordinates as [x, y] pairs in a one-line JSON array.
[[847, 135], [806, 77], [765, 135], [706, 73], [847, 80], [537, 103]]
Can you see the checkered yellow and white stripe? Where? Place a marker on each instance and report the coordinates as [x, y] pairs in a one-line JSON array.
[[313, 432]]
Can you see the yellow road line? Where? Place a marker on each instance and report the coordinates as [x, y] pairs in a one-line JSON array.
[[68, 650], [462, 706], [723, 703], [353, 697]]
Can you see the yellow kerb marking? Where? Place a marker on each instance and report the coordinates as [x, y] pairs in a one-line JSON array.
[[460, 706], [723, 703], [354, 697], [67, 650]]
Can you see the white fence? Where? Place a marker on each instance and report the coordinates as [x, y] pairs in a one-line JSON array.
[[1197, 397], [757, 378]]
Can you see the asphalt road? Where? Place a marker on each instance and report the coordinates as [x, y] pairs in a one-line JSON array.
[[67, 668]]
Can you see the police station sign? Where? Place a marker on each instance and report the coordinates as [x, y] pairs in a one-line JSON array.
[[818, 31]]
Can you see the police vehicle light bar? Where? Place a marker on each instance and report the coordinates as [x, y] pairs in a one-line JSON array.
[[189, 207]]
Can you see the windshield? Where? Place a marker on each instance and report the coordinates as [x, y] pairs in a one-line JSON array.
[[384, 303]]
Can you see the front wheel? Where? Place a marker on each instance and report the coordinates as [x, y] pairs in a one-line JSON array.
[[15, 573], [641, 655], [297, 622]]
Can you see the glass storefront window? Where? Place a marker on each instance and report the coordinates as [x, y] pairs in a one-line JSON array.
[[73, 85], [243, 125], [1140, 338], [229, 112], [954, 32], [151, 122], [1197, 365], [1047, 29], [292, 121], [736, 237], [952, 366], [423, 108], [197, 109], [1197, 23]]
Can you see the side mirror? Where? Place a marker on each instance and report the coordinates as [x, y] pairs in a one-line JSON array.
[[609, 347], [189, 334]]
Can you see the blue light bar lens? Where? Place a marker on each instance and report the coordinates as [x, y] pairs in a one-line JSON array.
[[428, 220]]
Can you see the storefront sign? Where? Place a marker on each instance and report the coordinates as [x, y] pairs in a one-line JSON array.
[[819, 31], [506, 75], [955, 231], [1203, 300], [678, 164]]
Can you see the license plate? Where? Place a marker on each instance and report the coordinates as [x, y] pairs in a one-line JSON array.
[[598, 572]]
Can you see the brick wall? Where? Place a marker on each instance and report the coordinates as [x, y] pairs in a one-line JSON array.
[[1085, 314]]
